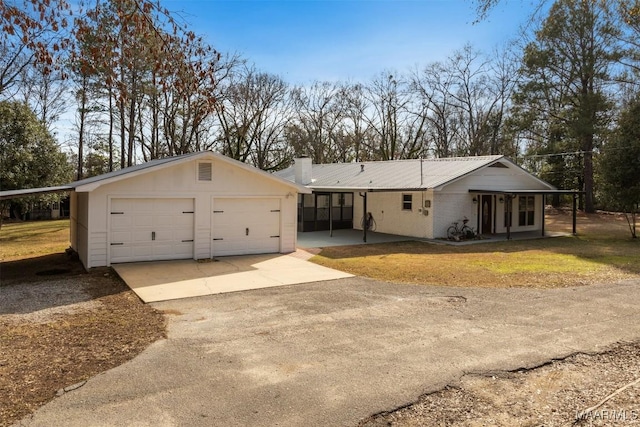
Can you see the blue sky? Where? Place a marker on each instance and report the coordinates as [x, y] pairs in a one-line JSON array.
[[347, 40]]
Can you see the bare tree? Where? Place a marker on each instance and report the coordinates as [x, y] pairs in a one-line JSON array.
[[252, 118], [318, 114], [396, 119], [433, 87]]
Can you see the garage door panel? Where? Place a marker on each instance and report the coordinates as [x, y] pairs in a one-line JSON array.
[[120, 252], [163, 221], [119, 222], [151, 229], [246, 226], [121, 236], [144, 220]]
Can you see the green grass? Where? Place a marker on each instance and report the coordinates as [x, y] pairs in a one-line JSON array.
[[29, 239]]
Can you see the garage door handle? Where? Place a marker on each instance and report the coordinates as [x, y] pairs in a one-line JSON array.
[[246, 231], [153, 235]]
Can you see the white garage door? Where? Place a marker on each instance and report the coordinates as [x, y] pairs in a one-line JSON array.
[[246, 226], [151, 229]]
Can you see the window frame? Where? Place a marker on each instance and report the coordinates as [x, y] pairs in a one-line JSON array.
[[526, 211], [407, 205]]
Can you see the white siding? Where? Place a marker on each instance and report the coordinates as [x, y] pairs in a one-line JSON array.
[[492, 178], [80, 227], [449, 207], [390, 217], [181, 181], [73, 220]]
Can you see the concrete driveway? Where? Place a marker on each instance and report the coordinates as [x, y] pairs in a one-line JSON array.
[[168, 280], [332, 353]]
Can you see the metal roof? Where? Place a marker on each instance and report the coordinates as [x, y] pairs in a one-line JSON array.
[[10, 194], [90, 184], [415, 174]]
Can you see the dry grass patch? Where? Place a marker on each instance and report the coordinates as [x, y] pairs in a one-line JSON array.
[[60, 325], [602, 252], [20, 240]]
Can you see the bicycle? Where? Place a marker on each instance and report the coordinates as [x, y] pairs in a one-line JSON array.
[[454, 232]]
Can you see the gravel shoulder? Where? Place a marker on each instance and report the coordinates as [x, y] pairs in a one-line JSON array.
[[558, 393], [60, 326]]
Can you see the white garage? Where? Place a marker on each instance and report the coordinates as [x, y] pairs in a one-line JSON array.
[[195, 206]]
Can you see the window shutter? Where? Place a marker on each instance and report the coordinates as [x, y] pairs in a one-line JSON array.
[[204, 172]]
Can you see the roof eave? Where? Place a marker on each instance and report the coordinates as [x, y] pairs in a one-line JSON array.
[[14, 194], [197, 156], [369, 189]]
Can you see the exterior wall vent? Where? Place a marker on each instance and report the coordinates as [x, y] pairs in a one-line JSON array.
[[205, 171]]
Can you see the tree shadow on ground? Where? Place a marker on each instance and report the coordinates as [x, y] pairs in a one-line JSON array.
[[54, 281]]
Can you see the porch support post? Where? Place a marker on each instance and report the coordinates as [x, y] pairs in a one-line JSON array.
[[575, 213], [543, 212], [365, 225], [330, 214], [507, 200]]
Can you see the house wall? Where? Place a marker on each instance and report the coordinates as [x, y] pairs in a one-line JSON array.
[[180, 181], [455, 201], [390, 217], [450, 207], [79, 225], [501, 207]]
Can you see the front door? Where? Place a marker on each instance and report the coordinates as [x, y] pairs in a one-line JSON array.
[[486, 213]]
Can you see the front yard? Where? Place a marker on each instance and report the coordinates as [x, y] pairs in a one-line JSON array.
[[603, 251], [60, 325]]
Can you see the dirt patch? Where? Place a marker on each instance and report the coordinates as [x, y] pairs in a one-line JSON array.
[[59, 330], [551, 395]]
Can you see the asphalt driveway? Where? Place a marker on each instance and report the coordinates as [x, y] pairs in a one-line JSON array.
[[335, 352]]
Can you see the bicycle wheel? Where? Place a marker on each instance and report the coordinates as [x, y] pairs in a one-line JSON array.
[[467, 232], [452, 233]]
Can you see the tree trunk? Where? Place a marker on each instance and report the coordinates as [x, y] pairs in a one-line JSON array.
[[589, 205], [110, 94], [83, 113]]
